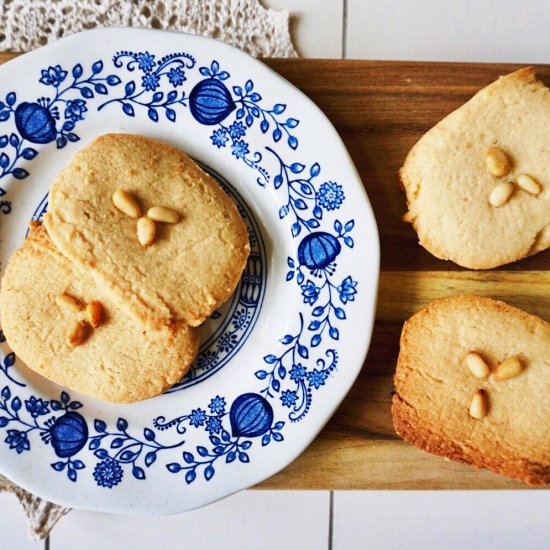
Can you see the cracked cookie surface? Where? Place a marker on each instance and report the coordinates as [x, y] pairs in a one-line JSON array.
[[434, 386], [119, 361], [191, 267], [448, 185]]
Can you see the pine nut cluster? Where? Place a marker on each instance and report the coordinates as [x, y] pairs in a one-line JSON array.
[[146, 227], [80, 330], [499, 165], [509, 368]]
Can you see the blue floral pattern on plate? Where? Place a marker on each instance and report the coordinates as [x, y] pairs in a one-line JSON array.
[[170, 87]]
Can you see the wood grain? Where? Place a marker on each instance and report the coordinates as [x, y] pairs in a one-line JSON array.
[[381, 109]]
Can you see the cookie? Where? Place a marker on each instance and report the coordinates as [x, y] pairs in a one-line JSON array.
[[469, 203], [448, 403], [193, 262], [117, 361]]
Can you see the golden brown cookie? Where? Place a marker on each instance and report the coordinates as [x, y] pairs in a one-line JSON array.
[[117, 361], [482, 212], [436, 406], [188, 269]]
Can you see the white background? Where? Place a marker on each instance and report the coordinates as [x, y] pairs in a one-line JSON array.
[[436, 30]]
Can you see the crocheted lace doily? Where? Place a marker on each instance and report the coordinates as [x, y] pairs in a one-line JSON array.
[[28, 24], [246, 24]]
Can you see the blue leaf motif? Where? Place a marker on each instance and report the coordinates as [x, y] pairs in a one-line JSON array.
[[334, 333], [97, 67], [150, 458], [94, 444], [270, 359], [297, 168], [230, 457], [130, 88], [209, 472], [302, 350], [277, 181], [138, 472], [153, 114], [243, 457], [292, 142], [29, 153], [113, 80], [71, 474], [4, 421], [122, 424], [10, 99], [149, 434], [128, 109], [278, 436], [188, 457], [173, 467], [203, 451], [340, 313], [349, 241], [59, 466], [266, 439], [14, 140], [100, 426], [190, 476], [4, 160], [86, 92], [9, 360], [286, 339], [101, 89], [261, 374], [279, 108], [77, 71], [292, 123], [16, 404], [101, 454], [315, 340], [117, 442], [170, 114], [277, 134]]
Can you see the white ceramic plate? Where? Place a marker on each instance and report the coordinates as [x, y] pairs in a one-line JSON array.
[[279, 357]]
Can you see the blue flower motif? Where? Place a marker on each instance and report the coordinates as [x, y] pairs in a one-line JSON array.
[[237, 129], [108, 473], [330, 195], [36, 406], [214, 425], [217, 405], [150, 81], [316, 378], [240, 149], [227, 342], [219, 138], [347, 290], [146, 61], [53, 76], [289, 398], [75, 109], [176, 76], [18, 440], [298, 372], [197, 418], [310, 292]]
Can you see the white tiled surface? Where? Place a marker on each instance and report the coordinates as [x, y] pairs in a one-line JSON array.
[[435, 30], [432, 520], [469, 30], [266, 520]]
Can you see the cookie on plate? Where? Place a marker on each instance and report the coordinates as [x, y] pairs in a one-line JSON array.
[[47, 326], [478, 183], [162, 265], [472, 384]]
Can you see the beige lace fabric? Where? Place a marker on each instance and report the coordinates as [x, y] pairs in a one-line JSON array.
[[29, 24], [246, 24]]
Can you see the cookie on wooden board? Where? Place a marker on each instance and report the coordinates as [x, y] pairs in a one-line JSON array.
[[472, 384], [478, 183], [117, 361], [191, 264]]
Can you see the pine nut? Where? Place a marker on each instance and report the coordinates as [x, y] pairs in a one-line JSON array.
[[126, 203], [497, 162], [479, 406], [501, 193], [477, 365], [94, 313], [529, 184], [509, 368], [66, 301], [163, 214], [146, 229], [78, 333]]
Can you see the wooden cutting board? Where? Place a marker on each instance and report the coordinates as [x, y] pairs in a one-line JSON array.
[[381, 109]]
